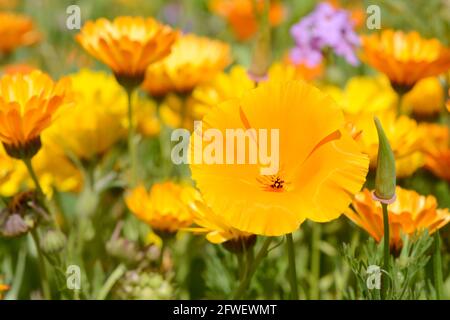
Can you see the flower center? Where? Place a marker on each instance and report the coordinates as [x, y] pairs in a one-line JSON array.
[[273, 183]]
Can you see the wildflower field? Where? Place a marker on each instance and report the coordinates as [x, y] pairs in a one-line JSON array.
[[224, 149]]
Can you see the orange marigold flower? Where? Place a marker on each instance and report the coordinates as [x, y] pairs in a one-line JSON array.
[[3, 288], [28, 105], [128, 45], [437, 150], [18, 68], [165, 208], [409, 214], [405, 57], [193, 60], [320, 165], [426, 98], [16, 31], [214, 226], [240, 14]]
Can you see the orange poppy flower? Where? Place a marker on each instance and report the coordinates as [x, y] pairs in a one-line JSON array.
[[128, 45], [241, 15], [193, 60], [16, 31], [28, 104], [320, 165], [409, 214], [405, 57]]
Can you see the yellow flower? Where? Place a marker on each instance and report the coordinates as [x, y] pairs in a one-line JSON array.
[[409, 214], [28, 105], [241, 15], [320, 166], [163, 207], [405, 136], [364, 95], [16, 31], [405, 58], [177, 112], [146, 117], [95, 123], [193, 60], [128, 45], [437, 150], [307, 72], [214, 226], [426, 98], [53, 168]]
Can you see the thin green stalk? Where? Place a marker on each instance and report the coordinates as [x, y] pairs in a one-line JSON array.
[[292, 268], [437, 267], [42, 269], [161, 255], [248, 275], [131, 145], [399, 104], [315, 261], [111, 281], [386, 251], [34, 177]]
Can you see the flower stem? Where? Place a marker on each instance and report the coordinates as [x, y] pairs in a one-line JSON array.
[[252, 268], [161, 255], [33, 176], [42, 269], [386, 250], [111, 281], [437, 267], [292, 268], [315, 262], [131, 145]]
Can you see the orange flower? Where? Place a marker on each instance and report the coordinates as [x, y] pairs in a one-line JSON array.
[[3, 288], [241, 15], [437, 150], [409, 214], [28, 104], [405, 57], [216, 229], [18, 68], [16, 31], [193, 60], [165, 208], [319, 166], [128, 45]]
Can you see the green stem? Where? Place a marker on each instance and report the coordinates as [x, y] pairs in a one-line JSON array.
[[34, 177], [399, 104], [161, 255], [315, 261], [437, 267], [248, 275], [111, 281], [131, 145], [42, 269], [386, 250], [292, 268]]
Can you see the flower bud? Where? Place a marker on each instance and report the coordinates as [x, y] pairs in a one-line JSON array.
[[53, 241], [385, 179]]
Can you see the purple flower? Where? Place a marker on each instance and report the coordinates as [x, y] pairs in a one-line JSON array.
[[324, 28]]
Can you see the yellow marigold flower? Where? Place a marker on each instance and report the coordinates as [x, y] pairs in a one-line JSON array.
[[437, 150], [405, 137], [409, 214], [16, 31], [364, 95], [320, 165], [193, 60], [405, 58], [128, 45], [240, 14], [53, 168], [146, 117], [177, 112], [95, 123], [163, 207], [214, 226], [426, 98], [28, 105]]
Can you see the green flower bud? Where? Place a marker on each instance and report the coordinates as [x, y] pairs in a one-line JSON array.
[[53, 241], [385, 179]]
